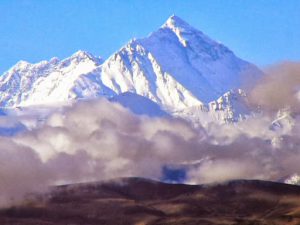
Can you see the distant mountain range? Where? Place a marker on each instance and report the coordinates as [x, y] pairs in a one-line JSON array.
[[177, 68]]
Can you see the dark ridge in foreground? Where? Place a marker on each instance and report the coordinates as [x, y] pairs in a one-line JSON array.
[[138, 201]]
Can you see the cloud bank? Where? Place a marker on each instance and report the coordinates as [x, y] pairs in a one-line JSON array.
[[97, 140], [280, 88]]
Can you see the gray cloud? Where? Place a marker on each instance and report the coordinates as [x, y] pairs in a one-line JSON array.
[[98, 140], [280, 88]]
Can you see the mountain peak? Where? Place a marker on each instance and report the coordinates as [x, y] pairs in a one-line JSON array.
[[21, 65], [54, 60], [176, 22], [82, 54]]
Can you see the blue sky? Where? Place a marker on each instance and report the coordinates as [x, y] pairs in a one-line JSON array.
[[260, 31]]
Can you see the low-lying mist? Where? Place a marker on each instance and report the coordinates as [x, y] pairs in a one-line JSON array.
[[98, 139]]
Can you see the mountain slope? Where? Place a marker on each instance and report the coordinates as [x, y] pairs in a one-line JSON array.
[[139, 104], [141, 201]]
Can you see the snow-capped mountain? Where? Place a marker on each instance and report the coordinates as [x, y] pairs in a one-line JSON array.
[[230, 107], [177, 67], [50, 82]]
